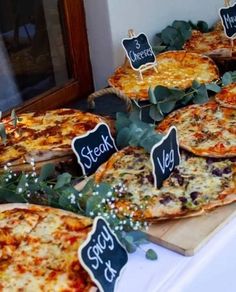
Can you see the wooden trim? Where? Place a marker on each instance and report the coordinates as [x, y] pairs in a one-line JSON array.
[[76, 42]]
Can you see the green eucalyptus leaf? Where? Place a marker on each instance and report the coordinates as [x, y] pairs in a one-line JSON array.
[[151, 255], [161, 92], [213, 87], [135, 113], [68, 198], [122, 121], [51, 195], [186, 99], [103, 189], [199, 98], [88, 188], [227, 78], [156, 113], [202, 26], [184, 28], [169, 35], [46, 171], [123, 137], [167, 106], [3, 133], [129, 244], [158, 49], [158, 40], [196, 84], [92, 204], [21, 187], [136, 133], [152, 97], [10, 196], [63, 179], [138, 237], [150, 140]]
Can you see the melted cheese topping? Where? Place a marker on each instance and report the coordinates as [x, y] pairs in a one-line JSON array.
[[174, 69], [213, 43], [38, 134], [45, 256], [227, 96], [205, 130], [193, 184]]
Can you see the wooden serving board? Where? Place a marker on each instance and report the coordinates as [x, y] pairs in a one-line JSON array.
[[187, 236]]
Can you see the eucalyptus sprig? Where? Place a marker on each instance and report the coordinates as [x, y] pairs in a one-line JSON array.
[[163, 100], [93, 200], [174, 36], [132, 131]]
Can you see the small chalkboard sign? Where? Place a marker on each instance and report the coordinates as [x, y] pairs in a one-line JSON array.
[[94, 148], [228, 19], [165, 156], [103, 256], [139, 51]]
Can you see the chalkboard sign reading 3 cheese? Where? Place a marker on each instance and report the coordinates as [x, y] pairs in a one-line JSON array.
[[165, 156], [94, 148], [228, 19], [139, 51], [103, 256]]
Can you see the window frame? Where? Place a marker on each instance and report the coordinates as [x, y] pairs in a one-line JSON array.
[[77, 52]]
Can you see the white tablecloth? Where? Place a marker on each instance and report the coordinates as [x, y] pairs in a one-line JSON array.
[[213, 268]]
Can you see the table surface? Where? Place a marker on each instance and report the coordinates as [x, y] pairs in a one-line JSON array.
[[213, 268]]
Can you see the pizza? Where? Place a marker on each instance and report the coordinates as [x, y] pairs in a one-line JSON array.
[[197, 185], [204, 129], [227, 96], [38, 249], [214, 44], [45, 135], [174, 69]]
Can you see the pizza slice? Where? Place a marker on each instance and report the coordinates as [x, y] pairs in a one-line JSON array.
[[227, 96], [46, 257], [196, 185]]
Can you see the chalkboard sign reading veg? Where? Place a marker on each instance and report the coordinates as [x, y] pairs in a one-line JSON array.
[[103, 256], [139, 52], [228, 19], [94, 148], [165, 156]]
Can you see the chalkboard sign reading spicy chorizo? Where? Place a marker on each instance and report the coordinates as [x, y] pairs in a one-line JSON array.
[[228, 19], [103, 256], [139, 52]]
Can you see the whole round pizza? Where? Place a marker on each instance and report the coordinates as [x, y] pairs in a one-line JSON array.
[[38, 249], [195, 186], [204, 129], [227, 96], [44, 135], [174, 69]]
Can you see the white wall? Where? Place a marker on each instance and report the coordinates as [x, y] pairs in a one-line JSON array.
[[108, 21]]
